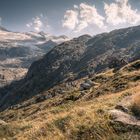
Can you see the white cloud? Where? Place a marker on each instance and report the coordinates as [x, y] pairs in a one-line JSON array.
[[29, 25], [121, 12], [70, 19], [88, 15], [38, 23], [83, 16]]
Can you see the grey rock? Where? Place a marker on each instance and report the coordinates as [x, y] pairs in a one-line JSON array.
[[122, 117], [85, 86], [2, 122]]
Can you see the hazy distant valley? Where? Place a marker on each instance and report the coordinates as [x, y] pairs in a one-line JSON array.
[[19, 50]]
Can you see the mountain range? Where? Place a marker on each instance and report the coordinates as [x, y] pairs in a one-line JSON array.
[[78, 57], [85, 88]]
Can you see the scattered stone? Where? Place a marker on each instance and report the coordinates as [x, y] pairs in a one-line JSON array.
[[2, 122], [61, 91], [40, 99], [88, 81], [43, 98], [86, 85], [48, 96]]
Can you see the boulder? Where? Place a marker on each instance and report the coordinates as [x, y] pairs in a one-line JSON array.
[[86, 85], [43, 98], [88, 81], [122, 114], [124, 119]]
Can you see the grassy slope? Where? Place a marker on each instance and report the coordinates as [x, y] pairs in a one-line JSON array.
[[72, 116]]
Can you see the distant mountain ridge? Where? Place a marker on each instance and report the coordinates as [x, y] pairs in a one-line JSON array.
[[19, 50]]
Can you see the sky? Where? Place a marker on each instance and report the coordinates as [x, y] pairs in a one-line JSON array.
[[69, 17]]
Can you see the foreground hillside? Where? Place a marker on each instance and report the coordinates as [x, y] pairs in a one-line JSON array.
[[102, 106]]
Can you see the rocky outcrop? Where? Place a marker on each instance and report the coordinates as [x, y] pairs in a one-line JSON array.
[[126, 121], [123, 115]]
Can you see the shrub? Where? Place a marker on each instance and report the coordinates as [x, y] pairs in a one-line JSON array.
[[62, 123]]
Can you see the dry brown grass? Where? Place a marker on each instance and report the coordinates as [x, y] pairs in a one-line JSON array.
[[66, 117], [76, 121]]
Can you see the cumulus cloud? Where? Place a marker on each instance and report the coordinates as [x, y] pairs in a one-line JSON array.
[[70, 19], [38, 23], [121, 12], [83, 16], [88, 15]]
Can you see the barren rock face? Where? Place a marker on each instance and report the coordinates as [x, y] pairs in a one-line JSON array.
[[124, 113], [122, 117], [7, 75]]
